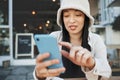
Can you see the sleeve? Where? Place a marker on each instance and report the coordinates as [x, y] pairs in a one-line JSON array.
[[34, 76], [102, 67], [48, 78]]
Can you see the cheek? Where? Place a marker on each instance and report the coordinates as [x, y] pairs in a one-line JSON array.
[[81, 22], [65, 22]]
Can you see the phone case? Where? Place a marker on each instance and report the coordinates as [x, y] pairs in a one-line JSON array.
[[48, 43]]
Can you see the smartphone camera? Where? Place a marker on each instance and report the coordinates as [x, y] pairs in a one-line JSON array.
[[38, 39]]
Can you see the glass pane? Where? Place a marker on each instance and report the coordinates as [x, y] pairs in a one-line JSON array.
[[3, 12], [4, 41], [34, 16]]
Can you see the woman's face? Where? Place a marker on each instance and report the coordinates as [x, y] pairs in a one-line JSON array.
[[73, 20]]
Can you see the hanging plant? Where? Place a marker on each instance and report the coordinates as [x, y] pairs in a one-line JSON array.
[[116, 24]]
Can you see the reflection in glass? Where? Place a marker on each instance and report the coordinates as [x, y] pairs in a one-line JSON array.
[[3, 12], [4, 41]]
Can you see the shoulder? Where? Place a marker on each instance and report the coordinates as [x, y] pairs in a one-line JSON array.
[[94, 36], [95, 39], [57, 34]]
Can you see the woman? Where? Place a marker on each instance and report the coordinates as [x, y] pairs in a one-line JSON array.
[[84, 53]]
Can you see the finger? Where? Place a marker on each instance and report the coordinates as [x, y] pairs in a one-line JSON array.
[[50, 75], [45, 64], [79, 57], [85, 59], [66, 44], [41, 57], [43, 71], [65, 53], [74, 51], [55, 71], [81, 52], [52, 72]]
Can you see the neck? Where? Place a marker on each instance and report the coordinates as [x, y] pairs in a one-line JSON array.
[[76, 39]]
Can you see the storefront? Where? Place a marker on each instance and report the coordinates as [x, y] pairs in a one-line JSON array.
[[19, 21], [5, 31]]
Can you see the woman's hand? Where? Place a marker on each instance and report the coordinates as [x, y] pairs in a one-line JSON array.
[[78, 55], [41, 67]]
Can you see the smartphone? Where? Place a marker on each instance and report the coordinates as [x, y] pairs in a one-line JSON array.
[[48, 43]]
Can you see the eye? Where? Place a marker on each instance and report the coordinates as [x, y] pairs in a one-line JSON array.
[[78, 14], [65, 15]]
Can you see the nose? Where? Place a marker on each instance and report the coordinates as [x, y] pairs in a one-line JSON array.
[[72, 19]]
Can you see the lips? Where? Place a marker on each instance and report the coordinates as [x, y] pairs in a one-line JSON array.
[[72, 27]]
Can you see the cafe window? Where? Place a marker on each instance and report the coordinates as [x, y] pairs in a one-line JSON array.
[[4, 28], [34, 17], [4, 41], [3, 12]]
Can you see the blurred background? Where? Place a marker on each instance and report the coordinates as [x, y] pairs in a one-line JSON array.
[[21, 19]]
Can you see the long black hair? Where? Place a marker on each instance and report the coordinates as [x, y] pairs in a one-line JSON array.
[[73, 70], [85, 34]]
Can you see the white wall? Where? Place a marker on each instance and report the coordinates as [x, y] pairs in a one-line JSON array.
[[112, 37], [3, 58]]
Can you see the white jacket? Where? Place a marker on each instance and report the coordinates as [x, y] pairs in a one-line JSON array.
[[98, 51]]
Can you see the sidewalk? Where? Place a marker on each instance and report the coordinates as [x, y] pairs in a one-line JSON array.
[[17, 73]]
